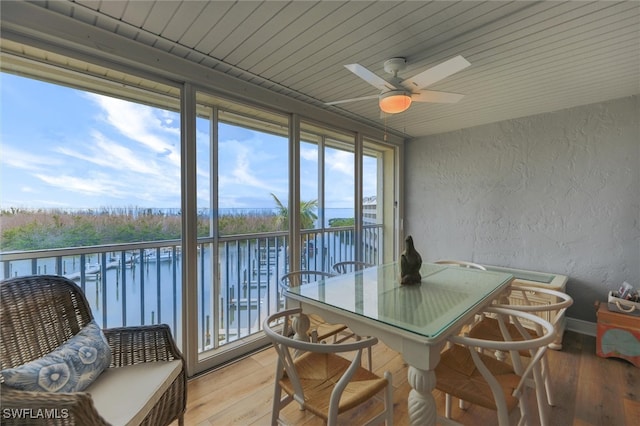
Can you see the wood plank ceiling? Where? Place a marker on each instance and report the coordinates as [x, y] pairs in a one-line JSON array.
[[527, 57]]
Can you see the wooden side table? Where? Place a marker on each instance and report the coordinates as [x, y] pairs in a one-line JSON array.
[[618, 335]]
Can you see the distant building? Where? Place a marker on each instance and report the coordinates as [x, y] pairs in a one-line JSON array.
[[369, 210]]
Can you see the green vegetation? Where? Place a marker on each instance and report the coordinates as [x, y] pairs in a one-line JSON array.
[[244, 223], [47, 229], [337, 222], [42, 229], [308, 214]]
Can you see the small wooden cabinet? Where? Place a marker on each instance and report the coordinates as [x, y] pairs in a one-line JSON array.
[[618, 335], [542, 280]]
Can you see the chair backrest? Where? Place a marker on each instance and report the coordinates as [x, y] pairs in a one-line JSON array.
[[297, 278], [462, 263], [560, 306], [536, 345], [38, 313], [350, 266], [510, 343], [524, 341], [277, 328]]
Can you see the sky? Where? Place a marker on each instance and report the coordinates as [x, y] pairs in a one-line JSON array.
[[70, 149]]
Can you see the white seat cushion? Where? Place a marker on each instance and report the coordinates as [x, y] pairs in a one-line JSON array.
[[125, 395]]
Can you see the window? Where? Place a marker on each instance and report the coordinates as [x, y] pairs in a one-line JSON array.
[[329, 179], [243, 185], [93, 180], [96, 156]]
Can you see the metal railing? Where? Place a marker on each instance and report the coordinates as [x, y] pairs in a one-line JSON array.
[[125, 284], [141, 283]]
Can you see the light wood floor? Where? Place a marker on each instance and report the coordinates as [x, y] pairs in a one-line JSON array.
[[589, 391]]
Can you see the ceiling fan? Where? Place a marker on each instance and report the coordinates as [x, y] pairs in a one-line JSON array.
[[396, 94]]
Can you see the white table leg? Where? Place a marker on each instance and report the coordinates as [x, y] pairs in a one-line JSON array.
[[422, 405]]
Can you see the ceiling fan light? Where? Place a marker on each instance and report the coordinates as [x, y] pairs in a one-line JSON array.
[[394, 102]]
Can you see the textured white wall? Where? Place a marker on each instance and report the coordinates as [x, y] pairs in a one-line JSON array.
[[556, 192]]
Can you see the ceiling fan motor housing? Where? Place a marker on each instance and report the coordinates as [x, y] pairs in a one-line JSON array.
[[393, 65]]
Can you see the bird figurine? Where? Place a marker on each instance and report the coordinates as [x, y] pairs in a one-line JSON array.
[[410, 263]]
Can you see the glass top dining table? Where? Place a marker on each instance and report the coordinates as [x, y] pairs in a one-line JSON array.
[[415, 320]]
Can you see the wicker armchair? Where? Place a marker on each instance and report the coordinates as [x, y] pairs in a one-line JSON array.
[[41, 312]]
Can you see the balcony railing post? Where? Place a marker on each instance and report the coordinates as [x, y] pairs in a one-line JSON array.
[[230, 312]]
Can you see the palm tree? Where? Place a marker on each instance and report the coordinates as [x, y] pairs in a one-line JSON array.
[[308, 216]]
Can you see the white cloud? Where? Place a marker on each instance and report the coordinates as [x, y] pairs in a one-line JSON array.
[[309, 154], [25, 160], [142, 124], [108, 170], [106, 153], [242, 172], [340, 161], [132, 155], [95, 185]]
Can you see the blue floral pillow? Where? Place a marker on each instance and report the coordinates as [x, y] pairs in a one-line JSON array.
[[70, 368]]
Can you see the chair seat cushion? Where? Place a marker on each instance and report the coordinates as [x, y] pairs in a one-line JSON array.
[[126, 395], [457, 374], [71, 367], [319, 373]]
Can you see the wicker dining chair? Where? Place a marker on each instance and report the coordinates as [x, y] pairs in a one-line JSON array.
[[488, 327], [319, 329], [316, 376], [41, 313], [468, 265], [350, 266], [465, 372]]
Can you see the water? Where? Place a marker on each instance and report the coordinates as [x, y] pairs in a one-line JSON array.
[[149, 291]]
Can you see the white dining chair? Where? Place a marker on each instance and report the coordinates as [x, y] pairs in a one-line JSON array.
[[350, 266], [489, 328], [320, 379], [469, 265], [466, 372], [319, 329]]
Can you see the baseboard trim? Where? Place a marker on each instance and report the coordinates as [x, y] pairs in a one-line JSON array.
[[580, 326]]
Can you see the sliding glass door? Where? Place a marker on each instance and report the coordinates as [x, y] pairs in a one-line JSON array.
[[242, 183]]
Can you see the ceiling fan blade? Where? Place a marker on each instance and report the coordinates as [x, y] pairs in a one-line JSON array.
[[437, 97], [370, 77], [436, 73], [352, 100]]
